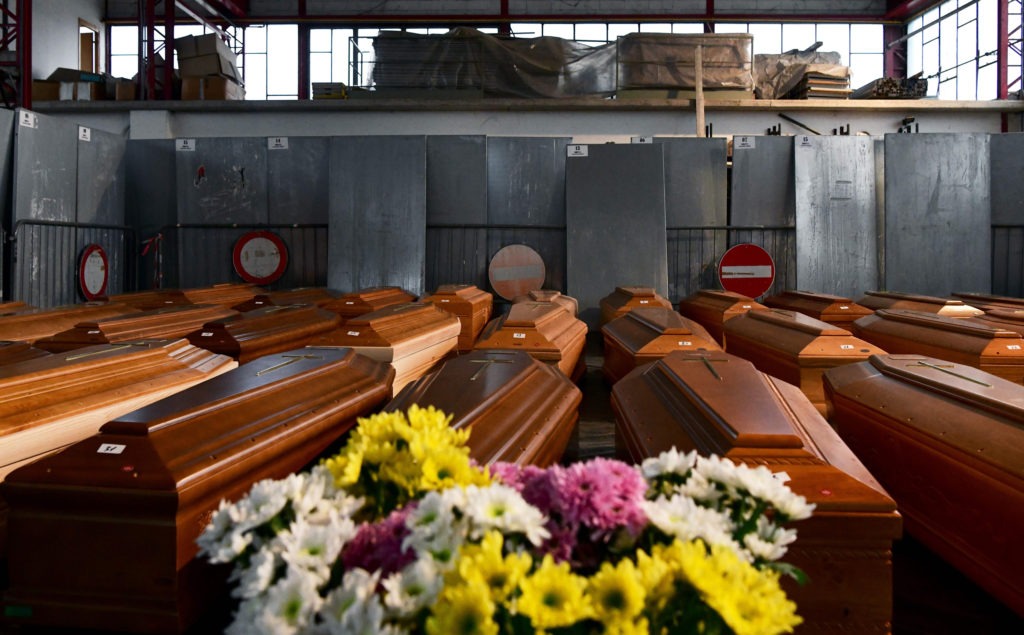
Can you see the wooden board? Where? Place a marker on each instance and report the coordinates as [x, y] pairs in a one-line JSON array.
[[467, 302], [368, 300], [570, 304], [836, 310], [544, 330], [518, 409], [711, 308], [319, 296], [925, 303], [119, 513], [947, 441], [30, 326], [644, 335], [625, 299], [716, 403], [260, 332]]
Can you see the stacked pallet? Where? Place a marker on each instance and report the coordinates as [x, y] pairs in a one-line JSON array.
[[817, 85]]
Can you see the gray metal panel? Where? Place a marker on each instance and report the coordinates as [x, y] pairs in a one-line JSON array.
[[526, 180], [45, 168], [937, 213], [44, 273], [836, 214], [695, 182], [224, 180], [762, 182], [1007, 152], [297, 182], [101, 178], [6, 161], [615, 223], [456, 180], [378, 212]]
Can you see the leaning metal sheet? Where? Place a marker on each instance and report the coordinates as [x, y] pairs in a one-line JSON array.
[[297, 180], [101, 177], [937, 213], [1007, 152], [762, 181], [377, 226], [526, 181], [456, 180], [45, 165], [836, 214], [695, 181], [222, 180], [615, 222]]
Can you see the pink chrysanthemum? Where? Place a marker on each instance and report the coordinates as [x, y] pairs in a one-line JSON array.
[[379, 545]]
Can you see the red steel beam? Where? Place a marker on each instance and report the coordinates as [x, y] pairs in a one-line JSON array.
[[909, 8], [1003, 54]]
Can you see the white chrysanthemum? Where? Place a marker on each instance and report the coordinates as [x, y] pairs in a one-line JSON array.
[[503, 508], [286, 607], [314, 547], [231, 545], [720, 470], [699, 488], [684, 519], [219, 524], [265, 500], [669, 462], [433, 528], [413, 588], [252, 618], [353, 607], [256, 578]]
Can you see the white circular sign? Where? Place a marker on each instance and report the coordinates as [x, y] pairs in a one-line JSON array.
[[260, 257], [92, 272]]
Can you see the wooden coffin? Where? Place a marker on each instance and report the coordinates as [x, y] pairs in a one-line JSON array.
[[352, 305], [947, 441], [834, 309], [645, 335], [795, 348], [13, 352], [412, 337], [988, 302], [118, 514], [226, 294], [569, 303], [925, 303], [260, 332], [544, 330], [717, 403], [319, 296], [625, 299], [1002, 318], [53, 401], [151, 299], [994, 350], [518, 409], [712, 308], [13, 308], [468, 303], [166, 323], [30, 326]]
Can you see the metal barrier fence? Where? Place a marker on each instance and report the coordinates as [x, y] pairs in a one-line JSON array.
[[45, 254]]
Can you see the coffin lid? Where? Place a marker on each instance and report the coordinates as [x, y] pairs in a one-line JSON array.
[[37, 323], [725, 300], [823, 304], [225, 293], [366, 300], [943, 323], [1008, 314], [98, 355], [797, 321], [13, 352], [925, 303], [168, 314], [977, 299], [636, 292], [257, 318], [531, 314], [392, 324], [151, 299], [660, 319], [459, 294]]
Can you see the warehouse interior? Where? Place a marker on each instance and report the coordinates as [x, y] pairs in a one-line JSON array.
[[866, 146]]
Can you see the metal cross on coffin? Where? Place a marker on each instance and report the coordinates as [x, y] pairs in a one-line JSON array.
[[942, 369], [707, 363], [291, 359], [487, 364]]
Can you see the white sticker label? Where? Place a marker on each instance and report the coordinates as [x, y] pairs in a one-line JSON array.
[[350, 301], [206, 334], [685, 343], [745, 306], [1013, 347], [846, 347], [185, 145], [84, 134], [277, 143], [28, 119], [645, 301], [519, 336], [743, 143], [94, 332], [641, 139], [843, 307], [354, 333], [111, 448], [445, 300], [805, 141], [577, 151]]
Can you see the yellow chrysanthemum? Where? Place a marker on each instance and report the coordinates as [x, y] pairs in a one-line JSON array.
[[554, 596], [656, 576], [462, 610], [345, 468], [484, 565], [616, 592]]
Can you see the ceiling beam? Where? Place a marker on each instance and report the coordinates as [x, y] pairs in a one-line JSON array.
[[906, 9]]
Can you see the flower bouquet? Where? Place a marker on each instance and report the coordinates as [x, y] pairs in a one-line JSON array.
[[402, 533]]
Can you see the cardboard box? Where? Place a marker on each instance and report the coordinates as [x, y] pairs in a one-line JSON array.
[[204, 65], [329, 90], [210, 88], [43, 90], [196, 45], [80, 91], [75, 75], [124, 90]]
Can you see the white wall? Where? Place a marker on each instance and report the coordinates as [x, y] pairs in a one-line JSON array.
[[55, 33]]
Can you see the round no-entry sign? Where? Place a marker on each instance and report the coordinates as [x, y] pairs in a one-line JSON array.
[[746, 269]]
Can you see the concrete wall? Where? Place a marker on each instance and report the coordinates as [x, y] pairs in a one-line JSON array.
[[55, 33]]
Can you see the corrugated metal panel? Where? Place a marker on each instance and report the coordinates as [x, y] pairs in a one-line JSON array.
[[762, 181], [695, 182], [6, 162], [222, 180], [377, 222], [937, 213], [44, 268], [526, 180], [297, 182], [101, 178], [836, 215], [456, 180], [456, 255], [151, 203], [1007, 161], [615, 223], [45, 165]]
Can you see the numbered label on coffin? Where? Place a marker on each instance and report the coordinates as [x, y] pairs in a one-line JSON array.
[[93, 272], [260, 257]]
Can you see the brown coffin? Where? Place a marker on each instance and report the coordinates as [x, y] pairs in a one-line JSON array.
[[947, 441], [227, 294], [795, 348], [625, 299], [518, 409], [260, 332], [166, 323], [988, 302], [834, 309], [118, 514], [352, 305], [468, 303], [717, 403], [412, 337], [319, 296], [994, 350], [30, 326], [925, 303], [569, 303], [13, 308], [1002, 318], [544, 330], [647, 334], [712, 308], [151, 299], [13, 352]]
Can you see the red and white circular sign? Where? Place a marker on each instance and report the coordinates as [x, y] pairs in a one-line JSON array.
[[260, 257], [746, 269], [93, 272]]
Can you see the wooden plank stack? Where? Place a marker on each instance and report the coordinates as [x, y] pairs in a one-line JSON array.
[[645, 335], [264, 331], [467, 302], [814, 85], [893, 88], [545, 330], [711, 308]]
